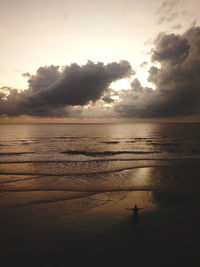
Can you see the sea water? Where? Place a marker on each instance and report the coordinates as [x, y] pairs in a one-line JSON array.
[[64, 161]]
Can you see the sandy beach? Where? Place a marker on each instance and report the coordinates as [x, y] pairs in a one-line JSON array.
[[70, 209], [48, 235]]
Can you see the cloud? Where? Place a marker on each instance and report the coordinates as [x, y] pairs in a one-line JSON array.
[[168, 18], [166, 11], [108, 98], [135, 101], [177, 80], [167, 6], [53, 89], [143, 64], [171, 49], [26, 75], [177, 26], [84, 91]]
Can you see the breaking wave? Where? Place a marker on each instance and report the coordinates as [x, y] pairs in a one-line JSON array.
[[106, 153]]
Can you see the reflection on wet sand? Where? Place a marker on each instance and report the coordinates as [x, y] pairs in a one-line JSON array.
[[91, 224]]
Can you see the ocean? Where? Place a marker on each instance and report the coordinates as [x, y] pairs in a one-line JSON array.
[[78, 179]]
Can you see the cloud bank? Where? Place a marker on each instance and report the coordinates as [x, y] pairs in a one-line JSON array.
[[177, 80], [51, 90], [84, 91]]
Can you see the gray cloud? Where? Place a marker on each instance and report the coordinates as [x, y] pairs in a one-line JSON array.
[[177, 80], [168, 18], [26, 75], [177, 26], [143, 64], [166, 11], [170, 49], [51, 90], [167, 6], [107, 98], [82, 91]]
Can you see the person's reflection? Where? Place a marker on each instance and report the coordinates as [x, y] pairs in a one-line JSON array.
[[136, 214]]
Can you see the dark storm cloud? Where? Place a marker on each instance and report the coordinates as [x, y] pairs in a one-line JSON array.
[[177, 80], [171, 49], [63, 92], [51, 90]]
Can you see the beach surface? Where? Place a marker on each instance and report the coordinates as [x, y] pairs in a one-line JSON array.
[[97, 229], [64, 195]]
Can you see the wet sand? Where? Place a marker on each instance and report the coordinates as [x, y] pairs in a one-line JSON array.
[[166, 235], [95, 229]]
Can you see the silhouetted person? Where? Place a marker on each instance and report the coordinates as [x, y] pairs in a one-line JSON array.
[[135, 213]]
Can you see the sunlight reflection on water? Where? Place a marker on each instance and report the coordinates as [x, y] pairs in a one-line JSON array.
[[60, 172]]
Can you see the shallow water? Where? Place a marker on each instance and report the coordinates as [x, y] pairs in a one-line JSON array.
[[94, 158]]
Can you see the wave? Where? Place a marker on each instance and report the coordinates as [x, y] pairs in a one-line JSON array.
[[99, 191], [98, 160], [140, 138], [85, 173], [165, 144], [106, 153], [111, 142], [77, 170], [14, 153]]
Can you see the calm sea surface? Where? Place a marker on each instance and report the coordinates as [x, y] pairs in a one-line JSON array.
[[75, 160]]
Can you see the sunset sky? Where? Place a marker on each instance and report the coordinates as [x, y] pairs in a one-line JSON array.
[[99, 60]]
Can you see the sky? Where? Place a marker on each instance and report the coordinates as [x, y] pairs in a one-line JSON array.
[[102, 60]]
